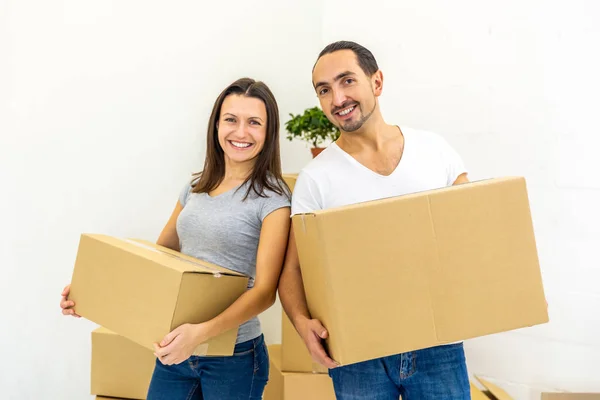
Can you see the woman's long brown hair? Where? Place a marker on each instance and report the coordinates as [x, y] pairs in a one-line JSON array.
[[266, 173]]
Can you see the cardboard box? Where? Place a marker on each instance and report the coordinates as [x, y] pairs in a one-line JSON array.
[[293, 385], [143, 291], [290, 179], [420, 270], [570, 396], [477, 394], [120, 367], [294, 354], [493, 391]]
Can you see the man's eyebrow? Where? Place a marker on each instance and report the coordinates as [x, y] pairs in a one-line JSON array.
[[337, 78]]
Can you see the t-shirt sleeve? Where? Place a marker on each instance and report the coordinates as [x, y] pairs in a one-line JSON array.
[[185, 193], [453, 161], [273, 202], [305, 198]]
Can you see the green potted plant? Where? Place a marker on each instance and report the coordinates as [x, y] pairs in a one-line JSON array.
[[313, 127]]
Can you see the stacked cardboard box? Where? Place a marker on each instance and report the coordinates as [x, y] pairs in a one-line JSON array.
[[285, 385], [492, 391], [120, 367], [293, 375]]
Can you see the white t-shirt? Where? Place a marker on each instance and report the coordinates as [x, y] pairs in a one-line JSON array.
[[334, 178]]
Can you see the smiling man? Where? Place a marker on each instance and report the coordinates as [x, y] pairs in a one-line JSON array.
[[371, 160]]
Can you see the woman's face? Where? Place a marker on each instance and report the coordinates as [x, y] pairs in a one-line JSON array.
[[242, 127]]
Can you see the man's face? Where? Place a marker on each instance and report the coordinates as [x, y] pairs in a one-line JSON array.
[[347, 95]]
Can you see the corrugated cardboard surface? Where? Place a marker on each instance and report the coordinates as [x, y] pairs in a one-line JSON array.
[[120, 367], [294, 354], [429, 268], [295, 386], [570, 396], [143, 291]]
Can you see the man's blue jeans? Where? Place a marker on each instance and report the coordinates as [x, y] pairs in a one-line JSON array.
[[437, 373]]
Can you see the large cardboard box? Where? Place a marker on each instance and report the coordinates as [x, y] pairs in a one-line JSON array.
[[293, 385], [143, 291], [120, 367], [423, 269], [294, 354]]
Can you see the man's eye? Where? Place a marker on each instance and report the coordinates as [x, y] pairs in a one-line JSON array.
[[349, 80], [322, 92]]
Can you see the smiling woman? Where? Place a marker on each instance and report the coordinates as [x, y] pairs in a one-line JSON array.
[[236, 214]]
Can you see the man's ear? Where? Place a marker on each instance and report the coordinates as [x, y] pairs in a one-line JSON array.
[[377, 82]]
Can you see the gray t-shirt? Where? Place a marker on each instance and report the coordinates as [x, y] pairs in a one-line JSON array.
[[225, 230]]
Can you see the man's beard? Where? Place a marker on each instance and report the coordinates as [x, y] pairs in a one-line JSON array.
[[352, 126]]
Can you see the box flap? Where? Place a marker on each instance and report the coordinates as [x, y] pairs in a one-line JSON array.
[[102, 330], [499, 393], [374, 203], [163, 255]]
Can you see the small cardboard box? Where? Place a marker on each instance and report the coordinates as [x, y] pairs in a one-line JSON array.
[[420, 270], [294, 354], [294, 385], [143, 291], [120, 367]]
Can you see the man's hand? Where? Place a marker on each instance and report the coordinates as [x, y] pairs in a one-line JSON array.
[[313, 333]]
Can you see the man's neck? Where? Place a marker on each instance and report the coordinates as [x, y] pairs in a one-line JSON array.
[[372, 136]]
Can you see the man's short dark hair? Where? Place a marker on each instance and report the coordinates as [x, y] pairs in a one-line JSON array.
[[365, 58]]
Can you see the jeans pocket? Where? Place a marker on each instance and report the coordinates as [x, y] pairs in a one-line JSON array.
[[242, 353], [261, 360]]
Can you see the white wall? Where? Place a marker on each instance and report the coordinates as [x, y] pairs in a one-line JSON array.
[[103, 107], [514, 87], [104, 117]]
